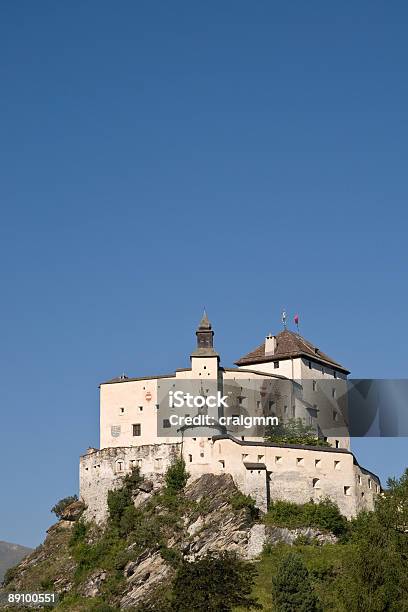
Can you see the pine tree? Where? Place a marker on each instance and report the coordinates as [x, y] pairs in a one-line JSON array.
[[292, 589]]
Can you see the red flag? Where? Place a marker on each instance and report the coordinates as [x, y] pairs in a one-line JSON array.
[[296, 319]]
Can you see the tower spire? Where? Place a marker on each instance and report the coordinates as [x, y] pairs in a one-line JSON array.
[[205, 338]]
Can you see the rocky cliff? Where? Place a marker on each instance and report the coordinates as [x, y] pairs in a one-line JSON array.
[[82, 562], [130, 563]]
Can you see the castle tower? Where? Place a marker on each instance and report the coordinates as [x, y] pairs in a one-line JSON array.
[[204, 359]]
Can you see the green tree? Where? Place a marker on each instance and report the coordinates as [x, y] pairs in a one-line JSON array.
[[60, 506], [376, 575], [176, 476], [214, 584], [294, 431], [292, 588]]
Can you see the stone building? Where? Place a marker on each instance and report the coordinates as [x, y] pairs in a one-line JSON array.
[[286, 378]]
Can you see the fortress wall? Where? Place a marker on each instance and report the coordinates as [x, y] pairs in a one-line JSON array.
[[103, 470], [264, 472], [299, 474]]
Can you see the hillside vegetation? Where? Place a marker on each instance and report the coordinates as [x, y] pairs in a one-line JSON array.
[[186, 547]]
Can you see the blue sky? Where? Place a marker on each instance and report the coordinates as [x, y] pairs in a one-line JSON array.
[[159, 157]]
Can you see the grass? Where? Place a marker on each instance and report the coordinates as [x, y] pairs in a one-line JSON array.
[[323, 562]]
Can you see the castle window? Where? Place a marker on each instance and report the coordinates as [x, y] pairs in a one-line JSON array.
[[336, 465], [190, 458], [157, 406], [271, 405], [318, 463], [244, 456], [285, 409], [119, 465], [359, 479], [139, 463], [347, 490], [261, 458], [369, 483], [222, 463], [310, 365], [158, 463], [335, 415], [166, 423], [140, 408], [201, 455], [314, 385], [337, 443], [278, 460], [121, 410], [137, 429], [258, 404], [316, 483], [334, 373], [276, 364], [300, 461]]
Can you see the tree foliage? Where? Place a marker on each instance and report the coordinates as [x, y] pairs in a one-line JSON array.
[[214, 584], [60, 506], [376, 576], [292, 588], [294, 431], [324, 515], [176, 476]]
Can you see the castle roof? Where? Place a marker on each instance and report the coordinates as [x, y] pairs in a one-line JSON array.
[[289, 345]]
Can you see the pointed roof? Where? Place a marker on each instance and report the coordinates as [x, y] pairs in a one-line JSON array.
[[289, 345], [204, 324]]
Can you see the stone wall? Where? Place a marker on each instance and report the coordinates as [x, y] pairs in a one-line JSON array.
[[103, 470], [264, 471]]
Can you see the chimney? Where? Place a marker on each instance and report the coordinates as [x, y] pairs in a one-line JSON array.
[[270, 344]]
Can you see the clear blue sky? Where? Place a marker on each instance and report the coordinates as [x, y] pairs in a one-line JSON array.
[[156, 157]]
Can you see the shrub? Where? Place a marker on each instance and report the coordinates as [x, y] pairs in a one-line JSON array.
[[9, 575], [78, 533], [120, 499], [292, 587], [238, 501], [214, 584], [176, 476], [294, 431], [60, 506], [324, 515]]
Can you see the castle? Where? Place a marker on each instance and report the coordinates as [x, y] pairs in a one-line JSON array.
[[280, 377]]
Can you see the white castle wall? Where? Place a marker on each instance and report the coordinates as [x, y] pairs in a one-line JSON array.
[[263, 471], [103, 470]]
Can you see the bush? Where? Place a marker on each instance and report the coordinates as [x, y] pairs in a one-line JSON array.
[[121, 499], [292, 587], [78, 533], [294, 431], [9, 575], [60, 506], [177, 476], [324, 515], [214, 584], [239, 501]]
